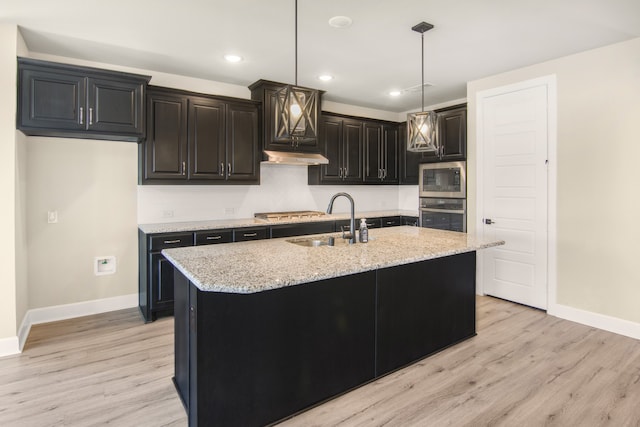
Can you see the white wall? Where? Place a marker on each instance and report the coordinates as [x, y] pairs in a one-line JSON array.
[[92, 186], [282, 188], [598, 197], [8, 173]]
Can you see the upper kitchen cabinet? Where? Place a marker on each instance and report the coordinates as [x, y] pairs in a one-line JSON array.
[[341, 142], [451, 135], [199, 139], [409, 160], [381, 153], [79, 102], [265, 91]]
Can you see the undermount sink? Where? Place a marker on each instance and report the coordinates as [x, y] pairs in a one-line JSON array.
[[318, 241]]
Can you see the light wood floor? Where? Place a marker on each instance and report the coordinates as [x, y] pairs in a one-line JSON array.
[[523, 369]]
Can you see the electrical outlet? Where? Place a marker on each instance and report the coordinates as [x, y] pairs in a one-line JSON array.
[[229, 211], [52, 217], [167, 214]]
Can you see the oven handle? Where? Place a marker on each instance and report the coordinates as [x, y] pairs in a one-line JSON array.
[[453, 211]]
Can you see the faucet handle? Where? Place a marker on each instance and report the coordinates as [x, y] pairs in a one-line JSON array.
[[346, 234]]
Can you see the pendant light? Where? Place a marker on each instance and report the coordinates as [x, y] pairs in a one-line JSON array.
[[421, 127], [296, 108]]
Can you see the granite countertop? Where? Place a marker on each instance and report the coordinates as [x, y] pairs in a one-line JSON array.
[[174, 227], [261, 265]]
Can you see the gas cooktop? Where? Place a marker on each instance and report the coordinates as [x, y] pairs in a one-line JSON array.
[[285, 216]]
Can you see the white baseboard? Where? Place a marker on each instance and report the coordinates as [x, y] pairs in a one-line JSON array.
[[9, 346], [596, 320], [34, 316]]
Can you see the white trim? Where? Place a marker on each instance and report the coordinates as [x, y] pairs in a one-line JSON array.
[[550, 82], [69, 311], [596, 320], [9, 346]]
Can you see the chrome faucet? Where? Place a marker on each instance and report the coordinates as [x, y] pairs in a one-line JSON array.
[[352, 224]]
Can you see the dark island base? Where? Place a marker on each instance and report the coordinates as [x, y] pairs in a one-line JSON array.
[[254, 359]]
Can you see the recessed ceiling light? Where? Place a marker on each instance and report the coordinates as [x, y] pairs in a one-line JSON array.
[[325, 77], [395, 93], [233, 58], [340, 22]]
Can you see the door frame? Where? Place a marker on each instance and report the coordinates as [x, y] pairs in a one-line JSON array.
[[550, 83]]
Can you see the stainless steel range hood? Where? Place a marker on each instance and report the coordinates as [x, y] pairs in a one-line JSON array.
[[294, 158]]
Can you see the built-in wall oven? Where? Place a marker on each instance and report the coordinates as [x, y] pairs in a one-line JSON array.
[[443, 192]]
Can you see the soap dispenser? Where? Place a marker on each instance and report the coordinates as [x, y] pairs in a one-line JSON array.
[[364, 231]]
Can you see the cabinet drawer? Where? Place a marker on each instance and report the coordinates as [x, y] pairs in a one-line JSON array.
[[254, 233], [210, 237], [286, 230], [410, 220], [174, 240], [391, 221]]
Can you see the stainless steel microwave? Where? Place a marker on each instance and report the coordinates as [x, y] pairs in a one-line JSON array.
[[447, 179]]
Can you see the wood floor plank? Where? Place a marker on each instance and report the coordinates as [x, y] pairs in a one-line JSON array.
[[523, 368]]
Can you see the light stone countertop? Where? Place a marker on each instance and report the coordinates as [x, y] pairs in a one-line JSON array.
[[260, 265], [174, 227]]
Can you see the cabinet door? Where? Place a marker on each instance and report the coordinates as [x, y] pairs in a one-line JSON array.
[[115, 106], [409, 160], [161, 282], [206, 140], [352, 150], [373, 152], [452, 128], [331, 145], [52, 100], [390, 154], [243, 154], [165, 149], [423, 308]]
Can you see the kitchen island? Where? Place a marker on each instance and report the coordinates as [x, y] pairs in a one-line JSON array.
[[265, 329]]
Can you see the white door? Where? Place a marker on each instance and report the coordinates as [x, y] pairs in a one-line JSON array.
[[514, 132]]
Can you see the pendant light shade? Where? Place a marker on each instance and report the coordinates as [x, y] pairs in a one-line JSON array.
[[421, 127], [296, 108]]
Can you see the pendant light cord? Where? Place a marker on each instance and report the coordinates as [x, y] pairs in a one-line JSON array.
[[296, 39], [422, 38]]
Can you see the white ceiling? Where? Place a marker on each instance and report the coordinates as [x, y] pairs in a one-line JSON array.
[[378, 53]]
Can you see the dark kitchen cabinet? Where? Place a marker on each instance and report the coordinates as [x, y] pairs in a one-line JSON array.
[[250, 233], [196, 139], [286, 230], [265, 92], [380, 153], [80, 102], [451, 135], [423, 308], [155, 282], [391, 221], [409, 160], [410, 220], [341, 142]]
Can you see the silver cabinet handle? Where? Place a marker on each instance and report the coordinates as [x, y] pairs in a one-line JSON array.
[[228, 169], [340, 173], [214, 237], [250, 234], [90, 116], [384, 173], [184, 168], [81, 115], [170, 242], [390, 223], [221, 169], [346, 173], [380, 173]]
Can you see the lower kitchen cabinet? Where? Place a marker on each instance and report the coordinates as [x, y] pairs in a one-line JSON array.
[[254, 359], [156, 284], [286, 230], [410, 220], [423, 308]]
